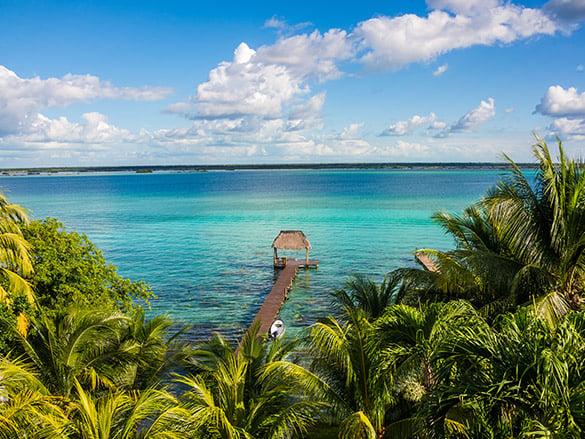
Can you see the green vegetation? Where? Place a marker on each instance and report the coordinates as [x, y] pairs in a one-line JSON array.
[[492, 344], [521, 243], [16, 294], [68, 268]]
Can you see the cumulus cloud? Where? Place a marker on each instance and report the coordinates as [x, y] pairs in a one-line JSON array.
[[245, 87], [263, 99], [309, 109], [559, 101], [306, 114], [476, 117], [564, 127], [242, 137], [567, 108], [393, 42], [351, 131], [313, 55], [275, 81], [404, 127], [263, 82], [441, 70], [92, 129], [21, 99]]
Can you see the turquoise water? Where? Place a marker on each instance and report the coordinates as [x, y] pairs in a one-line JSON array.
[[202, 239]]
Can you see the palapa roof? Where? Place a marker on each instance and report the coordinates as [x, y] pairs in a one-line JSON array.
[[291, 240]]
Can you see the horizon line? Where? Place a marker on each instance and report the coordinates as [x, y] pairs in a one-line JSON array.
[[264, 166]]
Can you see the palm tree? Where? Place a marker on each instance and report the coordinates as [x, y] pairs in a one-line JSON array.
[[468, 271], [15, 262], [525, 241], [84, 345], [155, 351], [409, 338], [343, 372], [239, 393], [27, 409], [522, 378], [409, 341], [360, 292], [543, 224], [152, 413]]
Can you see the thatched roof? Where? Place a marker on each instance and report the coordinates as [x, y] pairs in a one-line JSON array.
[[291, 240]]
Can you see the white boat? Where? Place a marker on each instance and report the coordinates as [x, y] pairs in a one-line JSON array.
[[277, 329]]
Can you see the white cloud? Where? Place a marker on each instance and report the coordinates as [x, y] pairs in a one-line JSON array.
[[93, 129], [393, 42], [404, 127], [562, 102], [309, 109], [437, 125], [311, 55], [273, 82], [306, 114], [261, 102], [351, 131], [245, 87], [476, 117], [509, 110], [441, 70], [566, 128], [567, 108], [256, 134], [485, 111], [263, 82], [21, 99], [580, 68]]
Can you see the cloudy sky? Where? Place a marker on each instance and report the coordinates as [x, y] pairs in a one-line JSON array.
[[124, 82]]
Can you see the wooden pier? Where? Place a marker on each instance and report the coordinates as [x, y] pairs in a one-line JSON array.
[[426, 262], [273, 302]]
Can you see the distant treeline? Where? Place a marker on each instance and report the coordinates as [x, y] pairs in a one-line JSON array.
[[203, 168]]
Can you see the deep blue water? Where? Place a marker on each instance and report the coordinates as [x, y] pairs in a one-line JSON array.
[[202, 239]]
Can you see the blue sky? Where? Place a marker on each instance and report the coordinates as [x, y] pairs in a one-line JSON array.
[[115, 83]]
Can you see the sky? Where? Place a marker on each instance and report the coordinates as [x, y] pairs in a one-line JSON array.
[[90, 83]]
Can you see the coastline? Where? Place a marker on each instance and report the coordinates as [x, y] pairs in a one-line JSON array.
[[144, 169]]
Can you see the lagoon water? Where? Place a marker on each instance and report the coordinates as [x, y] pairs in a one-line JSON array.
[[202, 239]]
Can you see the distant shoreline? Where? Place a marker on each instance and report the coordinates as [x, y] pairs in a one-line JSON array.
[[297, 166]]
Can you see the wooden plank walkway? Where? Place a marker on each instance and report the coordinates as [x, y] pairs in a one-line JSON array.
[[426, 262], [273, 302]]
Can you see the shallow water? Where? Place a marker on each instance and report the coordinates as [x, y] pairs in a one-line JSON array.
[[202, 239]]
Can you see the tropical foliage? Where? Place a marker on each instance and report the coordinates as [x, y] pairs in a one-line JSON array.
[[362, 293], [243, 393], [523, 242], [69, 268], [16, 294], [490, 344]]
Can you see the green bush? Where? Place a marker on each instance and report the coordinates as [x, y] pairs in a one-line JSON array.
[[69, 268]]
